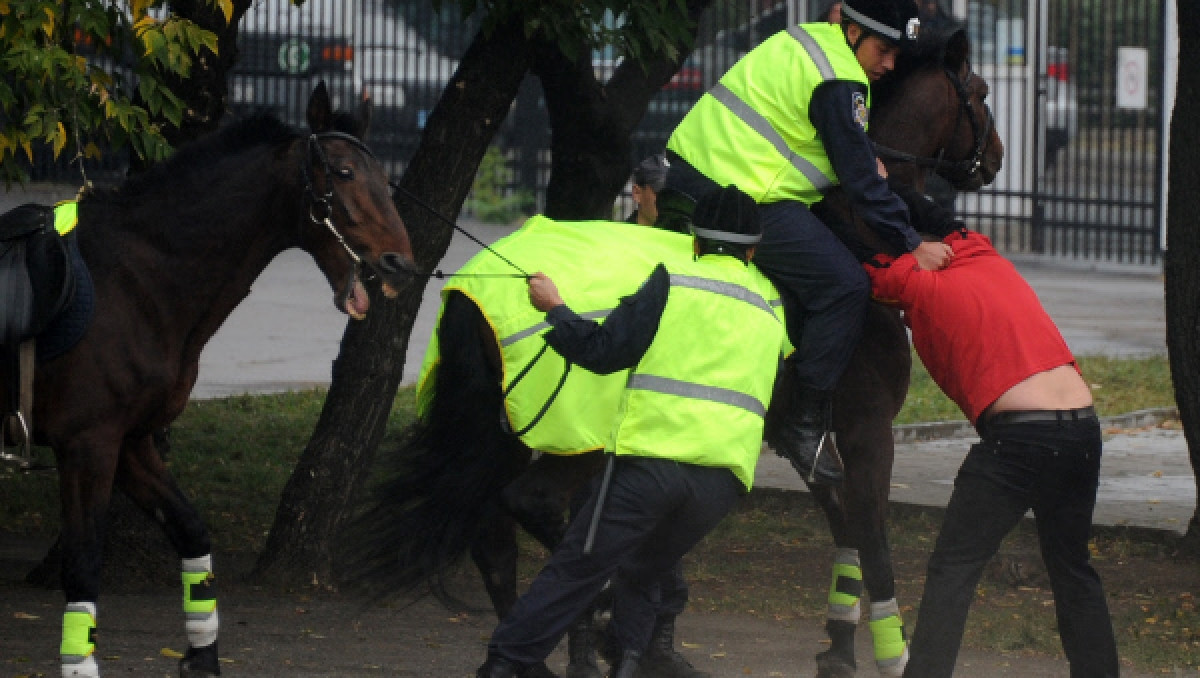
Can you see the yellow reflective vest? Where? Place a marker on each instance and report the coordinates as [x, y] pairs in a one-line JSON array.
[[700, 392], [752, 128], [593, 264]]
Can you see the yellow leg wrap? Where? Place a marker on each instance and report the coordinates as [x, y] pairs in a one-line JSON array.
[[200, 601], [846, 588], [887, 633], [78, 632], [198, 594]]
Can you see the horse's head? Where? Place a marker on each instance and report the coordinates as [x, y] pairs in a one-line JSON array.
[[933, 114], [352, 226]]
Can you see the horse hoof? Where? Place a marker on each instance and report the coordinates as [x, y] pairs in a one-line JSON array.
[[538, 670], [830, 665], [200, 662]]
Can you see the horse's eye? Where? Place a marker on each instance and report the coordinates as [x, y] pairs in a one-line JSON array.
[[344, 172]]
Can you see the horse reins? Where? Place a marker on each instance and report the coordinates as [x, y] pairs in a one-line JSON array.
[[450, 222], [957, 170], [533, 361]]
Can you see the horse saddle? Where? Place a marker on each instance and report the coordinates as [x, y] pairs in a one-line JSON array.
[[37, 279], [45, 293]]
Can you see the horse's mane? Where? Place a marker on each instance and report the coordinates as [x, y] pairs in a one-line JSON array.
[[201, 155], [928, 52]]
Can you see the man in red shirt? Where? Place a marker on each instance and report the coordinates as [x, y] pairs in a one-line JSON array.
[[986, 340]]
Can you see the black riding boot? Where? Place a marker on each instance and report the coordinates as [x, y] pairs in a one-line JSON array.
[[497, 667], [805, 438], [581, 649], [627, 667], [661, 660]]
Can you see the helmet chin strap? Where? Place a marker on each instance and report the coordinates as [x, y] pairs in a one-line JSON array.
[[862, 36]]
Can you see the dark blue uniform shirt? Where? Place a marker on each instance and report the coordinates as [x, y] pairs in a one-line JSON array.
[[623, 338], [853, 157]]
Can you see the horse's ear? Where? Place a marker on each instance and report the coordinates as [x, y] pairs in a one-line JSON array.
[[957, 49], [364, 117], [320, 110]]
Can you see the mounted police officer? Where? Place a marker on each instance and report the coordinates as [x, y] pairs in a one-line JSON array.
[[785, 124], [686, 441]]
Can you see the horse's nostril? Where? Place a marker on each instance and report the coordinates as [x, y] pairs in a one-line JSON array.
[[390, 262]]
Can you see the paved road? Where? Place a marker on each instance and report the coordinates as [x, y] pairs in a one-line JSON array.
[[286, 335]]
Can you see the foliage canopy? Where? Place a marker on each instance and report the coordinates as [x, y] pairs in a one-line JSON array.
[[82, 75]]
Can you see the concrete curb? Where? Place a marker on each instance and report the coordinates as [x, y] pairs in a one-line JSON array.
[[936, 430]]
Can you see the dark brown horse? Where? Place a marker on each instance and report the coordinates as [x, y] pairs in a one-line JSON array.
[[171, 253], [462, 480]]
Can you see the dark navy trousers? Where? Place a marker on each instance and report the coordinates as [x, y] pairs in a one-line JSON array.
[[656, 510], [824, 288], [1053, 468]]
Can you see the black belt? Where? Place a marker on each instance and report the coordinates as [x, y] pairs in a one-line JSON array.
[[1027, 416]]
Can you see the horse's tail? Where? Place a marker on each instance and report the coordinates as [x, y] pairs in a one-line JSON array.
[[440, 487]]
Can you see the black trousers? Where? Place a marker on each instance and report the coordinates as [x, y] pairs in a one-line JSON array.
[[825, 290], [1053, 468], [655, 512]]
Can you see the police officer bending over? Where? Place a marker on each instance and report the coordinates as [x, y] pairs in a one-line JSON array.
[[704, 345]]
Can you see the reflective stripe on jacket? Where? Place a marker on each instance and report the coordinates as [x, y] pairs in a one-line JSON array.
[[700, 392], [752, 128]]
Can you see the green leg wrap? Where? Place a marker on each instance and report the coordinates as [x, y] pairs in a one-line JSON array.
[[887, 632], [847, 587], [79, 640], [199, 601]]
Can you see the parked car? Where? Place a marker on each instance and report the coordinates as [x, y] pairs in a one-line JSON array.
[[284, 50], [404, 75], [360, 48]]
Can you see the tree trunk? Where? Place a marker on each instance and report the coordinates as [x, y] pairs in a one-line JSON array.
[[369, 366], [1182, 277], [592, 123]]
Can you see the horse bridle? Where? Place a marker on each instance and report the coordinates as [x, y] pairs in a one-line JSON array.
[[955, 171], [320, 207]]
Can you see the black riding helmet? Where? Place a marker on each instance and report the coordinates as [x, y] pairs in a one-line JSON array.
[[894, 21], [727, 216]]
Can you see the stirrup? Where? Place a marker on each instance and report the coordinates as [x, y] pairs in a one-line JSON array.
[[826, 450], [816, 460], [22, 457]]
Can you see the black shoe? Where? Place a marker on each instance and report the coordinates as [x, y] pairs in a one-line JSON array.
[[581, 649], [804, 438], [627, 667], [801, 446], [498, 667], [661, 660]]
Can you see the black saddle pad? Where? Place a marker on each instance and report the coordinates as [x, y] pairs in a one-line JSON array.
[[69, 326]]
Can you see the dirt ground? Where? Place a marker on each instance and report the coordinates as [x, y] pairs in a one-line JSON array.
[[265, 633]]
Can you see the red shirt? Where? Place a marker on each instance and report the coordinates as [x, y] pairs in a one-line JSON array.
[[978, 327]]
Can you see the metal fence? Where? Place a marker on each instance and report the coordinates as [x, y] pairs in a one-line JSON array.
[[1077, 91], [1078, 96]]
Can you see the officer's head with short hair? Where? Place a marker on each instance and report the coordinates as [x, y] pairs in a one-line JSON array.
[[647, 181]]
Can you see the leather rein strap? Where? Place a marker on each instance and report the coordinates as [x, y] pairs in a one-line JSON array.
[[953, 170]]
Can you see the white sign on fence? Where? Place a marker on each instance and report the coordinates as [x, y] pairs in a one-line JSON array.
[[1132, 73]]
